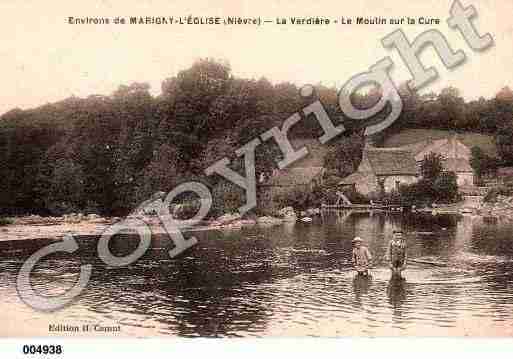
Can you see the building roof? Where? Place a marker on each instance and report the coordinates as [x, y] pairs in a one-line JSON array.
[[391, 162], [457, 165], [450, 147], [295, 176], [423, 145], [455, 152]]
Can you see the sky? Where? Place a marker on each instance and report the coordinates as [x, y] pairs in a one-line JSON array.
[[44, 59]]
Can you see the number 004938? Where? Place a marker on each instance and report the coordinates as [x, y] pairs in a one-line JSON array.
[[42, 349]]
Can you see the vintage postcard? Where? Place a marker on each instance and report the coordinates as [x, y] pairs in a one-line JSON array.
[[263, 169]]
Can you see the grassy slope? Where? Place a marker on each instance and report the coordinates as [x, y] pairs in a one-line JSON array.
[[316, 153], [406, 137]]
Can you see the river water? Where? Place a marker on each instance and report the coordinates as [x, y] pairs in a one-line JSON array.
[[290, 280]]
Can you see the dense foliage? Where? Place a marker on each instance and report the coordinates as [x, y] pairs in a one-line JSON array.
[[431, 167], [344, 157], [106, 154], [435, 184], [495, 192], [481, 163]]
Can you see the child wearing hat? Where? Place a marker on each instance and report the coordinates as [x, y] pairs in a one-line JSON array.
[[361, 257]]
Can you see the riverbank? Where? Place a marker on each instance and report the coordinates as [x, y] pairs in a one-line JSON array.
[[37, 227], [501, 208]]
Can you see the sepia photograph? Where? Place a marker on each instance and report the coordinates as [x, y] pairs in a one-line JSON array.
[[264, 169]]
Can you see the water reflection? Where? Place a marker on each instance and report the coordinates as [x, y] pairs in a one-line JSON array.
[[396, 292], [361, 285]]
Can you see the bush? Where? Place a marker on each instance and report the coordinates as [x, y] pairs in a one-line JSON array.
[[324, 194], [391, 198], [226, 198], [5, 221], [446, 188], [60, 208], [482, 163], [443, 189], [187, 210], [327, 194], [419, 194], [297, 199], [494, 192], [431, 166], [356, 197], [344, 157]]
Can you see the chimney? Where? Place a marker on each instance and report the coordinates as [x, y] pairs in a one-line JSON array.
[[368, 142], [454, 146]]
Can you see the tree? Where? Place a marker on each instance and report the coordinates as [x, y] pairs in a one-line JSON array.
[[446, 187], [296, 198], [504, 141], [161, 174], [431, 167], [60, 181], [267, 154], [452, 108], [503, 114], [344, 157], [435, 184], [191, 107], [133, 148], [226, 197], [482, 163], [111, 151]]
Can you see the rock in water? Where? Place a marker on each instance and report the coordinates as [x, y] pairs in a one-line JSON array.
[[229, 217], [267, 220]]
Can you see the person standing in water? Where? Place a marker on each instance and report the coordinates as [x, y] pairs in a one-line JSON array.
[[361, 257], [397, 253]]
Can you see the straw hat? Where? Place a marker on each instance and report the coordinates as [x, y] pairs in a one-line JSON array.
[[357, 239]]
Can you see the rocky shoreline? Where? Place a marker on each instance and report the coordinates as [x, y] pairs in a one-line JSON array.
[[501, 208], [78, 224]]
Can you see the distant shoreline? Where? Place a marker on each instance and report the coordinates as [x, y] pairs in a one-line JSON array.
[[55, 228]]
